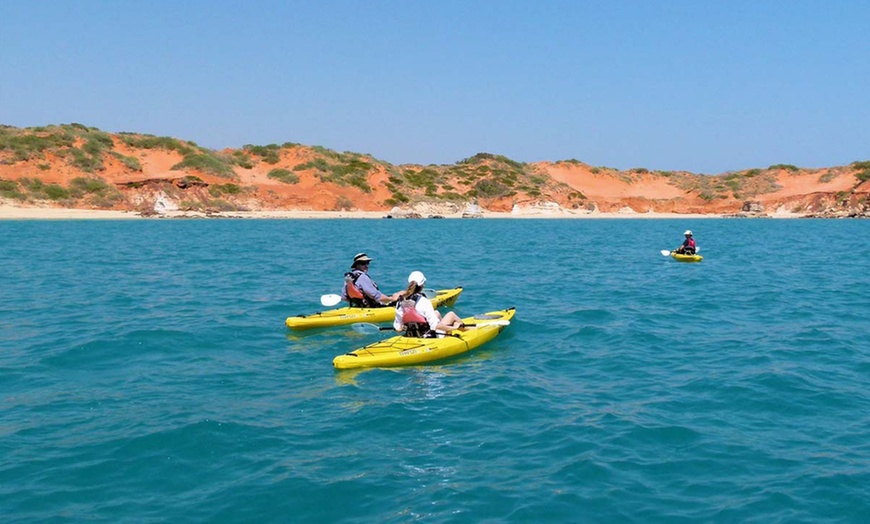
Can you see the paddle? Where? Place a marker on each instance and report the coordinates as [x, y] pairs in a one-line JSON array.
[[330, 300], [666, 253], [370, 329]]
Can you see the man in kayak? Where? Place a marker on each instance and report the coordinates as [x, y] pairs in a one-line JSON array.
[[688, 247], [360, 290], [416, 316]]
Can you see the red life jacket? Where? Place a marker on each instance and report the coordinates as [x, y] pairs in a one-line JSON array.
[[416, 324], [354, 294]]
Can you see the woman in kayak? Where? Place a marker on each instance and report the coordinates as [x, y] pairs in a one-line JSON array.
[[688, 247], [416, 316], [359, 288]]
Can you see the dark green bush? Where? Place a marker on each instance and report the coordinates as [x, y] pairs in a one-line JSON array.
[[9, 189], [241, 159], [268, 153], [156, 142], [89, 185], [491, 189], [84, 161], [217, 190], [284, 175], [56, 192], [129, 161], [207, 163]]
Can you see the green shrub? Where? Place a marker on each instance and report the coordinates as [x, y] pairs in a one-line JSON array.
[[480, 157], [351, 173], [217, 190], [451, 196], [129, 161], [861, 165], [241, 159], [9, 189], [207, 163], [222, 205], [156, 142], [84, 161], [424, 178], [397, 198], [864, 176], [319, 164], [284, 175], [56, 192], [89, 185], [786, 167], [27, 145], [268, 153], [491, 189], [191, 205]]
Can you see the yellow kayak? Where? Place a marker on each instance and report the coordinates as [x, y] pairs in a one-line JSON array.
[[405, 351], [349, 315], [686, 258]]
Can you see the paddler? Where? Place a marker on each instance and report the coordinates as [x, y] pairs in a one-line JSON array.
[[416, 316], [360, 290], [688, 247]]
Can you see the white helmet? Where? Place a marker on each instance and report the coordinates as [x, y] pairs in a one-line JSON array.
[[417, 277], [688, 232]]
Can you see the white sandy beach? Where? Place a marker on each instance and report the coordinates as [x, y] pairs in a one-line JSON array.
[[53, 213]]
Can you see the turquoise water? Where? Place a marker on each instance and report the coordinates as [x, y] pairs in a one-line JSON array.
[[146, 374]]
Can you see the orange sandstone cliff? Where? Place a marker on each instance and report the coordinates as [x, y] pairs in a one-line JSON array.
[[77, 166]]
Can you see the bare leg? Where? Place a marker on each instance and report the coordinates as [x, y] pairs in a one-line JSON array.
[[451, 320]]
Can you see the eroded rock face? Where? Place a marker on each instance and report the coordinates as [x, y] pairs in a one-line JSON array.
[[163, 204], [753, 207], [537, 208]]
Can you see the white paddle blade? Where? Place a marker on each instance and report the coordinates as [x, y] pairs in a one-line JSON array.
[[665, 253], [330, 300], [430, 293], [364, 328]]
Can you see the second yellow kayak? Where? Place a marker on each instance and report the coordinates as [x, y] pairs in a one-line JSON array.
[[404, 351]]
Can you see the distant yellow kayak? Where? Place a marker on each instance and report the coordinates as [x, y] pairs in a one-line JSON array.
[[348, 315], [686, 258], [405, 351]]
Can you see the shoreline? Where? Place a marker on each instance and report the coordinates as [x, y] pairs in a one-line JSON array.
[[54, 213]]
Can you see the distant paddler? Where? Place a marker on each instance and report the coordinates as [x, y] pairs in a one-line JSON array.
[[688, 247]]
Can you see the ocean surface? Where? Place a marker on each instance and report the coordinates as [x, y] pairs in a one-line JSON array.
[[146, 374]]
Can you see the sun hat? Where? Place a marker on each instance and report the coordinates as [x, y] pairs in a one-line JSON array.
[[417, 277], [360, 258], [688, 232]]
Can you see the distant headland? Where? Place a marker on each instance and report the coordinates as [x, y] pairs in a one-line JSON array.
[[83, 170]]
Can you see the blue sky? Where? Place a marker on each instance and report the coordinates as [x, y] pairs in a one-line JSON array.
[[702, 86]]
